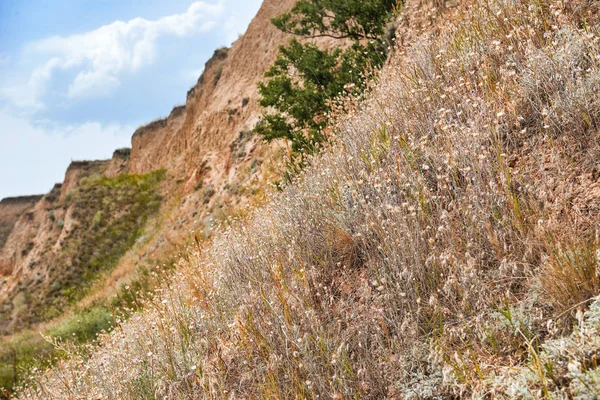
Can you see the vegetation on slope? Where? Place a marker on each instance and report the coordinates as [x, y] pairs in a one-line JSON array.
[[28, 349], [20, 353], [445, 246], [109, 215]]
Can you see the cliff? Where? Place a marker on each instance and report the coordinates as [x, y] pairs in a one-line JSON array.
[[213, 165], [221, 104], [10, 211]]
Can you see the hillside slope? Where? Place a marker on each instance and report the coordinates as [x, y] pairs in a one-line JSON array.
[[213, 166], [445, 246]]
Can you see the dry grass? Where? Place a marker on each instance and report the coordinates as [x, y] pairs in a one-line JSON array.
[[570, 275], [412, 259]]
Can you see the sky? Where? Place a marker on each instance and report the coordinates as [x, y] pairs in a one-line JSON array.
[[77, 77]]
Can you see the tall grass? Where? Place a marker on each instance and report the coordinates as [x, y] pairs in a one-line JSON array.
[[412, 259]]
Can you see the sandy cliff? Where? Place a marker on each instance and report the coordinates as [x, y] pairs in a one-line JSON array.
[[212, 162], [218, 107], [10, 211]]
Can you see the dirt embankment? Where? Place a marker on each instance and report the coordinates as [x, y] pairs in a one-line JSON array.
[[10, 211]]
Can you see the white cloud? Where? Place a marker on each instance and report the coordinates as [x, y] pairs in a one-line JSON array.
[[99, 57], [28, 95], [35, 156], [93, 84]]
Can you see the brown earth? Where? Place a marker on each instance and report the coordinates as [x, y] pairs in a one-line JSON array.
[[10, 211]]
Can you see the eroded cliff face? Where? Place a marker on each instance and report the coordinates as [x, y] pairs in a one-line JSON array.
[[212, 165], [20, 243], [223, 103], [157, 144], [10, 211], [78, 170]]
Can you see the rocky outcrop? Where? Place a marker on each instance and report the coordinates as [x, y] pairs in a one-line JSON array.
[[10, 210], [157, 144], [119, 163], [29, 228], [78, 170], [34, 229]]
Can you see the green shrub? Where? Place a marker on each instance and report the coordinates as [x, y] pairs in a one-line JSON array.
[[83, 326], [20, 353]]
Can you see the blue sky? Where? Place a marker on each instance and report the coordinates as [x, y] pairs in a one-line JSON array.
[[77, 77]]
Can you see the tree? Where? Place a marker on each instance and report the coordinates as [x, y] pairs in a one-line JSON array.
[[339, 19], [305, 79]]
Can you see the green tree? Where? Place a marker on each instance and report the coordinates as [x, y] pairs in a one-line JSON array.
[[339, 19], [305, 79]]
